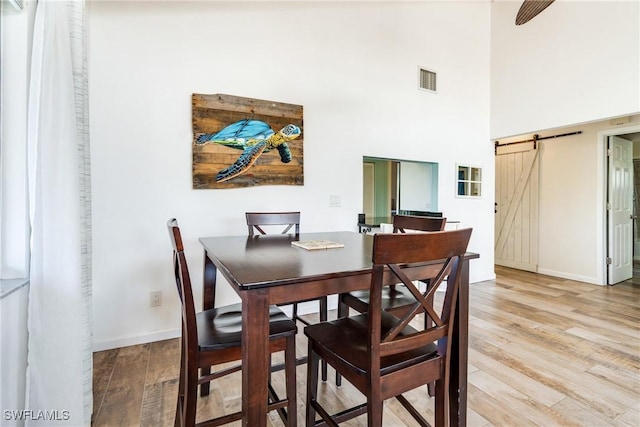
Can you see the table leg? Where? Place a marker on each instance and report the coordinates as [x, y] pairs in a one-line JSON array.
[[209, 285], [459, 353], [323, 318], [255, 357]]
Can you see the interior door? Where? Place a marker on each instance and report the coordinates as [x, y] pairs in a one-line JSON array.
[[516, 222], [620, 210], [636, 209]]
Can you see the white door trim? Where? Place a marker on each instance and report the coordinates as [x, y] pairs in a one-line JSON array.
[[601, 198]]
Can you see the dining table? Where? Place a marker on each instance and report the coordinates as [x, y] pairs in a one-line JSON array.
[[268, 269]]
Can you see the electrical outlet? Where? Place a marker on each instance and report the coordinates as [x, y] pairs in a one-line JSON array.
[[334, 201], [155, 299]]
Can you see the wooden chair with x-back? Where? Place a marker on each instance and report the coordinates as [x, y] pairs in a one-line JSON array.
[[380, 353], [212, 337], [395, 299]]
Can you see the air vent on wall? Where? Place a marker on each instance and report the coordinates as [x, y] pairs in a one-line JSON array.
[[427, 79], [18, 4]]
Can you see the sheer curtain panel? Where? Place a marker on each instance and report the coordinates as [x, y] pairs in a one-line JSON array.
[[59, 389]]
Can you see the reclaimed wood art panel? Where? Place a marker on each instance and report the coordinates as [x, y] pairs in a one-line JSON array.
[[242, 142]]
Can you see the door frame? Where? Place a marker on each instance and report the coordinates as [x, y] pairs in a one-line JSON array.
[[601, 198]]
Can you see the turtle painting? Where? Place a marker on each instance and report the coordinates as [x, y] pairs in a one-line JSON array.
[[253, 137]]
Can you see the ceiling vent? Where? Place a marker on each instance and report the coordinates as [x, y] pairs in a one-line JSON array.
[[427, 79]]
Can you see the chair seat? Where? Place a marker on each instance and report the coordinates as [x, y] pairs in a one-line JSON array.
[[392, 297], [330, 338], [221, 327]]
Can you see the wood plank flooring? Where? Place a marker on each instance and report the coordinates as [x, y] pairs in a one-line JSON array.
[[543, 352]]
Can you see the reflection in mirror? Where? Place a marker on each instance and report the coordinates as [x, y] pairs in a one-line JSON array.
[[393, 186]]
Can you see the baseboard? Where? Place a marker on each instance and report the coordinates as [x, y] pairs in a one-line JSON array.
[[136, 339], [518, 265], [564, 275]]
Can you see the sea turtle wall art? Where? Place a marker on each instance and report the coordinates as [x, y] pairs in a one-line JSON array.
[[240, 142]]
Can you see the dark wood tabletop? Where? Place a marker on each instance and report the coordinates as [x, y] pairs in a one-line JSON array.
[[270, 260], [267, 269]]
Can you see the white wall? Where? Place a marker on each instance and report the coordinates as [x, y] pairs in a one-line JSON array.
[[353, 66], [576, 62]]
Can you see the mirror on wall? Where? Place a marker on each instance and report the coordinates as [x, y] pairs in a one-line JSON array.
[[399, 186]]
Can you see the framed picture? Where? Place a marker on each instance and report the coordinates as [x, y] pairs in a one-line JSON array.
[[242, 142]]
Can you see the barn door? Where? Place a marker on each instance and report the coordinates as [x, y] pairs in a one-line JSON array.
[[516, 222]]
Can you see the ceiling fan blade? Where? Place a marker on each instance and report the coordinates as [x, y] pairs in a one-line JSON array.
[[530, 8]]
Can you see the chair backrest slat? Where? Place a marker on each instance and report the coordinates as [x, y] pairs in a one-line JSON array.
[[402, 223], [407, 343], [257, 219], [393, 253]]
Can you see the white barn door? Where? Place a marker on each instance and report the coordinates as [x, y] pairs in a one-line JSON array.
[[516, 222]]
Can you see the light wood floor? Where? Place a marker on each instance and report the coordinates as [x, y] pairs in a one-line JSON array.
[[543, 352]]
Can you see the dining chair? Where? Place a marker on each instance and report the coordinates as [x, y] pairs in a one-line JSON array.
[[395, 299], [381, 354], [402, 223], [255, 222], [212, 337]]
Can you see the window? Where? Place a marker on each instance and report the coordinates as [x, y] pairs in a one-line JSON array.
[[15, 26]]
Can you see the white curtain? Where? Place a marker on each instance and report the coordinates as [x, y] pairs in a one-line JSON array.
[[59, 373]]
